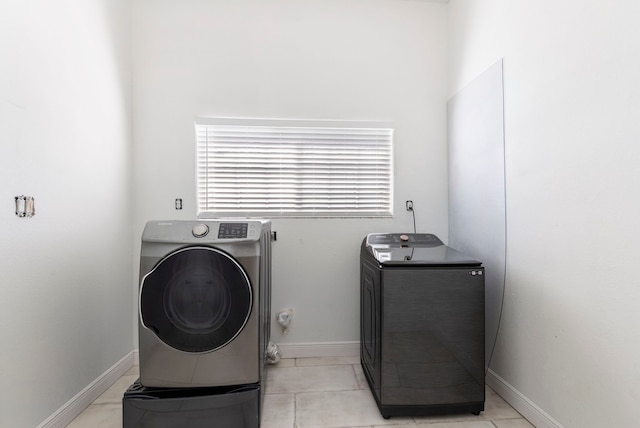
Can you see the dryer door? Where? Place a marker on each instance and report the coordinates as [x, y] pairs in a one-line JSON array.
[[196, 299]]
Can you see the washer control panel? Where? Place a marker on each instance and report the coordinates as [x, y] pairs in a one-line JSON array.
[[402, 239]]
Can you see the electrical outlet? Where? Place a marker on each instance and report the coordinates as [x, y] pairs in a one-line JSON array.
[[178, 203], [409, 205]]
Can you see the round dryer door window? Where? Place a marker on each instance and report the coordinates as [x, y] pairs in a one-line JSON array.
[[196, 299]]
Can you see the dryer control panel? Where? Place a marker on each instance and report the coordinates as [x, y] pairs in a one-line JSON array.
[[205, 231], [233, 230]]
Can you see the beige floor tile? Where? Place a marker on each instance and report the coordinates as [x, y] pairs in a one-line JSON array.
[[306, 379], [116, 391], [326, 361], [457, 424], [513, 423], [134, 370], [108, 415], [460, 417], [360, 377], [496, 408], [278, 411], [284, 362], [339, 409], [335, 395], [396, 424]]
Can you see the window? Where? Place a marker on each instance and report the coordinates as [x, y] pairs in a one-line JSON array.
[[293, 168]]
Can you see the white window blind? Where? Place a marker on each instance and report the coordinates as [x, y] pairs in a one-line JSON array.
[[283, 168]]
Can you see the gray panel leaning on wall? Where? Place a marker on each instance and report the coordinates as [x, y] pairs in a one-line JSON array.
[[477, 201]]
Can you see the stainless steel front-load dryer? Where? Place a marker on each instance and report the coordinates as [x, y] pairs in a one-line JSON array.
[[204, 302]]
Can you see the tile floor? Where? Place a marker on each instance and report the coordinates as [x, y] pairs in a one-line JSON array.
[[317, 393]]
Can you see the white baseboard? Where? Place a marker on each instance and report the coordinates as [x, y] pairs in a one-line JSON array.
[[527, 408], [319, 349], [72, 408]]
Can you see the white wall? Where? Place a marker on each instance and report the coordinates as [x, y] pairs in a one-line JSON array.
[[356, 59], [65, 274], [569, 338]]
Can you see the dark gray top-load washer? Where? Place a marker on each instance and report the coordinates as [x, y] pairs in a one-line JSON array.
[[421, 325]]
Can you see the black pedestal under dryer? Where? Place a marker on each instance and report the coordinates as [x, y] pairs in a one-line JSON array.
[[215, 407], [204, 302], [421, 325]]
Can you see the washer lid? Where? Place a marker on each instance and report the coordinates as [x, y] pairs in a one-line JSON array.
[[417, 249]]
